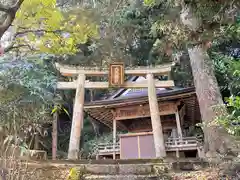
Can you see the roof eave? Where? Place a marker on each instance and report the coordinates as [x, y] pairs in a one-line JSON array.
[[118, 102]]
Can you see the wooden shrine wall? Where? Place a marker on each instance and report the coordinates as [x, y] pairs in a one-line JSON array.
[[144, 124], [136, 146], [139, 111]]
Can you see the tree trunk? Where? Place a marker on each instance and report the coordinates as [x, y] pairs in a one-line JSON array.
[[10, 11], [208, 93], [54, 135], [36, 141], [95, 126], [92, 121], [210, 101]]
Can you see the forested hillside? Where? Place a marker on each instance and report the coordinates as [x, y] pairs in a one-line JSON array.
[[201, 37]]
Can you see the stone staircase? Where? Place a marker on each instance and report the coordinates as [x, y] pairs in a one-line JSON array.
[[122, 177], [125, 172], [115, 170]]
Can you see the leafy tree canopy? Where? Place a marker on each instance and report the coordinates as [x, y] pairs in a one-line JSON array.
[[43, 27], [218, 19], [27, 91]]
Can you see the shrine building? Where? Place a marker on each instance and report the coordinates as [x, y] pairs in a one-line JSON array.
[[153, 116], [127, 111]]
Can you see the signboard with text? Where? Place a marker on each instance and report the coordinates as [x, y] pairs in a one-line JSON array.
[[116, 74]]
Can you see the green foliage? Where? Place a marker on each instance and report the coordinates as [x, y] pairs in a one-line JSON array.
[[77, 173], [217, 20], [140, 35], [27, 92], [73, 174], [231, 122], [59, 108], [149, 2], [46, 28], [134, 27], [90, 145], [157, 32], [227, 72]]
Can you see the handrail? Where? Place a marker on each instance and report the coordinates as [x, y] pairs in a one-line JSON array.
[[106, 147], [170, 143], [183, 138], [107, 143], [181, 142]]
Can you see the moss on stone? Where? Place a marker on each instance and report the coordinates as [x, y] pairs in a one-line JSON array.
[[77, 173]]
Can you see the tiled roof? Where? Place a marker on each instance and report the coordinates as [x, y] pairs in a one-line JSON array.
[[132, 93]]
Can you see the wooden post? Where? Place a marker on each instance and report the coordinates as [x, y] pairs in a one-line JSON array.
[[177, 153], [200, 152], [77, 120], [114, 137], [179, 129], [155, 118], [36, 141], [54, 135]]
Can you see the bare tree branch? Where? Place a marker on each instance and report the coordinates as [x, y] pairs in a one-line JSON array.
[[37, 31], [11, 13], [25, 31], [12, 47]]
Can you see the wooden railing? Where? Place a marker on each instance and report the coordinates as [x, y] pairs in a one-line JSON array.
[[108, 148], [172, 144], [185, 143]]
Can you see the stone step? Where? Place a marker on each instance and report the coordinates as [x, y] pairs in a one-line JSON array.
[[102, 161], [122, 177], [112, 169], [127, 169]]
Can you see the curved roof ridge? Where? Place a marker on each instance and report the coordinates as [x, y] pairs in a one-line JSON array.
[[129, 93]]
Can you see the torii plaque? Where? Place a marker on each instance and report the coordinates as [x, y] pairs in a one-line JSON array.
[[116, 74]]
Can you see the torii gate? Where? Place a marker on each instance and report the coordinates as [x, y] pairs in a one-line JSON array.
[[116, 74]]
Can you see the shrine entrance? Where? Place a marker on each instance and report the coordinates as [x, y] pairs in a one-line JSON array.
[[116, 78]]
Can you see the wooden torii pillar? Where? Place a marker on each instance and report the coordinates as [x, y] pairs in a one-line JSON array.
[[155, 118], [77, 120], [118, 78]]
